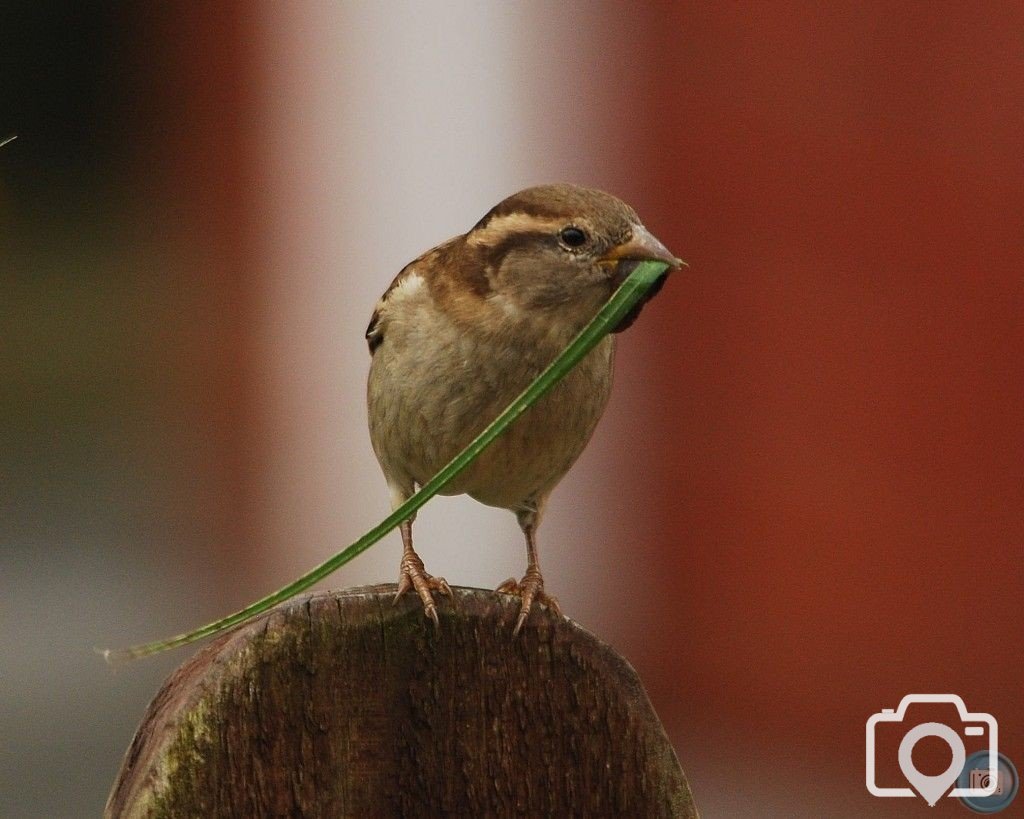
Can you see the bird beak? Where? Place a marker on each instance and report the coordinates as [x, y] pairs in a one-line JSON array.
[[623, 260], [642, 247]]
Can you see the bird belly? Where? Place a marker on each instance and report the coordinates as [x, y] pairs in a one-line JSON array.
[[428, 398]]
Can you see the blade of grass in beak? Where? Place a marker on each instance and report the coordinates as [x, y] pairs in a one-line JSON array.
[[627, 295]]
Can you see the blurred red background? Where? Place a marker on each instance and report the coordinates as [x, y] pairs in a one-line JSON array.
[[834, 424], [806, 499]]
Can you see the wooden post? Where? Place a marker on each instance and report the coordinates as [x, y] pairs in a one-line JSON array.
[[342, 704]]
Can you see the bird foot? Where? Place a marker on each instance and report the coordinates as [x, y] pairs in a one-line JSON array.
[[529, 590], [413, 576]]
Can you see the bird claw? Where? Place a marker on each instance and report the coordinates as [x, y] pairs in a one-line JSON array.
[[529, 590], [413, 576]]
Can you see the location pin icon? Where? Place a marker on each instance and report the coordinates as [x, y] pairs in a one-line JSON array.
[[932, 788]]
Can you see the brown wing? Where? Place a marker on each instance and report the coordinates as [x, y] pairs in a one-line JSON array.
[[422, 265], [374, 332], [374, 336]]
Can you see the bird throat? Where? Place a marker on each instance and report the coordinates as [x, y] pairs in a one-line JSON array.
[[624, 268]]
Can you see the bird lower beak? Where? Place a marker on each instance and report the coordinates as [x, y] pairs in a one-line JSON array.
[[623, 260], [641, 247]]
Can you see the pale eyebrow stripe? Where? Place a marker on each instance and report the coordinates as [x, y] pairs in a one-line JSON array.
[[502, 226]]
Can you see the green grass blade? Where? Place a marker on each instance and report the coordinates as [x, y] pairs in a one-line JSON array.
[[628, 294]]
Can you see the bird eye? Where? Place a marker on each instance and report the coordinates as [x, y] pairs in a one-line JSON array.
[[572, 237]]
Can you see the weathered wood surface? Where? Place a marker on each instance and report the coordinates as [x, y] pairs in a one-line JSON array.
[[342, 704]]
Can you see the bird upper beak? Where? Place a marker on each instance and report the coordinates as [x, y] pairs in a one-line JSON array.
[[623, 260], [641, 247]]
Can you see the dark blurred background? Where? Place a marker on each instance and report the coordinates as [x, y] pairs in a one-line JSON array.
[[805, 500]]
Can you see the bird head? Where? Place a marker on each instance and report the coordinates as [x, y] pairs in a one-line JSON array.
[[556, 253]]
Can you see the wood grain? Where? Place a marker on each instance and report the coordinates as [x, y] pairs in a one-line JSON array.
[[342, 704]]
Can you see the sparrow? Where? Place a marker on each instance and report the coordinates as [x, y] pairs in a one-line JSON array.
[[464, 328]]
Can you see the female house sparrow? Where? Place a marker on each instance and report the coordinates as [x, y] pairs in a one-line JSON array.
[[463, 329]]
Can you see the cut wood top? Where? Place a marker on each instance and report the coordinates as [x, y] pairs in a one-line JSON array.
[[342, 704]]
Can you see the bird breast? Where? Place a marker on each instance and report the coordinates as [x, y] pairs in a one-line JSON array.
[[434, 386]]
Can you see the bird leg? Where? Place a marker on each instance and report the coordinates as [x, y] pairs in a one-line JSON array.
[[531, 587], [414, 576]]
